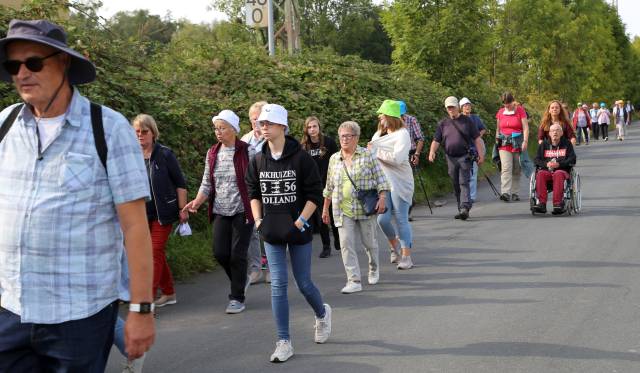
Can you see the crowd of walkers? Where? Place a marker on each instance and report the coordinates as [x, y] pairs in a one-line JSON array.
[[65, 159]]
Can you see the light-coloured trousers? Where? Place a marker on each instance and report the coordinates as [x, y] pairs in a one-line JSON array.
[[622, 129], [510, 174], [349, 231]]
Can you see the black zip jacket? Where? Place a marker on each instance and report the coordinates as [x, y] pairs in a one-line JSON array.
[[563, 153], [284, 186], [165, 176]]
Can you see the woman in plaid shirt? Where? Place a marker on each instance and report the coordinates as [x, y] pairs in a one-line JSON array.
[[348, 213]]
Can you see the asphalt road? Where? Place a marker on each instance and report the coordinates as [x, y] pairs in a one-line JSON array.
[[504, 291]]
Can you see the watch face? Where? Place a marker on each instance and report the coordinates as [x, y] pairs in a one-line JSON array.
[[145, 307]]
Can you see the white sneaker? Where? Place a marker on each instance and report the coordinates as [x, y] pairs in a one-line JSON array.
[[393, 258], [323, 326], [351, 287], [374, 277], [134, 366], [405, 262], [284, 350]]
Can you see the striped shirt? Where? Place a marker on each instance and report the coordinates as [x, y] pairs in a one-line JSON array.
[[366, 174], [61, 241]]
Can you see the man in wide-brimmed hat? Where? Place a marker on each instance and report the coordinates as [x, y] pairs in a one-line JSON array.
[[69, 198]]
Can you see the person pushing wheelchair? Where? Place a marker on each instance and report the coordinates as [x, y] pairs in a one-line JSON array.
[[554, 161]]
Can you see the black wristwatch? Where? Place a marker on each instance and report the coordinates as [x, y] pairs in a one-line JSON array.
[[142, 307]]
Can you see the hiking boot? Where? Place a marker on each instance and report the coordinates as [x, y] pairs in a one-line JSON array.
[[323, 326], [515, 197], [284, 350], [326, 252], [351, 287], [505, 197], [405, 262], [165, 300], [235, 307], [255, 277], [374, 277], [540, 208], [464, 213]]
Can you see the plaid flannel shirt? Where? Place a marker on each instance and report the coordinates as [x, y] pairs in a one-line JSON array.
[[366, 174], [415, 132]]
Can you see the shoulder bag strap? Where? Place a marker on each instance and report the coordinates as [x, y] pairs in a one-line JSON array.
[[349, 176], [464, 136], [6, 126], [98, 133]]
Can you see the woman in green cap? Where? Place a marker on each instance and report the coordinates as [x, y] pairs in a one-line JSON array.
[[390, 145]]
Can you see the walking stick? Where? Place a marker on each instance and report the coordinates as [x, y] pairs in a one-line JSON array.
[[493, 187], [416, 170]]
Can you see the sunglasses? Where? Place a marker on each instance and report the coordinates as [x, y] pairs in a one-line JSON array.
[[34, 64]]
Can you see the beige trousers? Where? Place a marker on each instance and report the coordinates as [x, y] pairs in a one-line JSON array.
[[349, 232], [510, 175]]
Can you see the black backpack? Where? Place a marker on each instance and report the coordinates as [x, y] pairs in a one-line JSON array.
[[96, 124]]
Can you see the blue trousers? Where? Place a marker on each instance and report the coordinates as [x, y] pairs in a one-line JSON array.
[[398, 208], [301, 267], [77, 346]]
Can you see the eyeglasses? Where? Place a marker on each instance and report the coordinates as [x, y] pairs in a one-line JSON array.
[[220, 129], [142, 132], [34, 64], [347, 137]]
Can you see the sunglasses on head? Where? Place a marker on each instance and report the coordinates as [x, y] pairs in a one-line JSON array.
[[34, 64]]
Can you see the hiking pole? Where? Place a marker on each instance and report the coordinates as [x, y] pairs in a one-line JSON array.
[[424, 190], [493, 187]]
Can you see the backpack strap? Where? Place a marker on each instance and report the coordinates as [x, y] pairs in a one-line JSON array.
[[6, 125], [98, 133]]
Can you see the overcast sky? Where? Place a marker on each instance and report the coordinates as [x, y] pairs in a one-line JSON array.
[[196, 10]]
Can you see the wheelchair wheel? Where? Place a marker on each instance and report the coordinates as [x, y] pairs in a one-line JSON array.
[[576, 193], [532, 193]]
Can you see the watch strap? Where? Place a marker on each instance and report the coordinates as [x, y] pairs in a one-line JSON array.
[[142, 307]]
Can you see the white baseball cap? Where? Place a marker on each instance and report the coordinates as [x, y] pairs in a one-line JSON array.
[[451, 101], [274, 113], [229, 117], [464, 101]]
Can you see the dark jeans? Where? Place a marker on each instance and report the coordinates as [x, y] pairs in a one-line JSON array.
[[80, 346], [582, 131], [231, 236], [460, 174], [324, 229], [604, 130], [595, 127]]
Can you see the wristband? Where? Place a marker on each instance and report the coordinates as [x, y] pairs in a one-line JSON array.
[[304, 221]]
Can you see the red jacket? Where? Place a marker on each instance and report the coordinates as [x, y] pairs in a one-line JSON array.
[[240, 163], [575, 117]]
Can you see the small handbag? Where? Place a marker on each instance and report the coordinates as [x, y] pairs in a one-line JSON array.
[[368, 198]]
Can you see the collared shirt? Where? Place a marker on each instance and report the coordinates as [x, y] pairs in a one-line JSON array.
[[415, 132], [365, 173], [61, 240]]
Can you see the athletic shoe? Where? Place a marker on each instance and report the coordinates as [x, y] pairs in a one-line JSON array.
[[235, 307], [540, 208], [255, 277], [457, 216], [351, 287], [134, 366], [374, 277], [323, 326], [505, 197], [393, 258], [606, 139], [464, 214], [515, 197], [326, 252], [166, 300], [558, 210], [284, 350], [405, 262]]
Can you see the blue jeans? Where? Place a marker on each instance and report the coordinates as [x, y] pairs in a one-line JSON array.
[[473, 182], [301, 267], [118, 337], [73, 346], [398, 208]]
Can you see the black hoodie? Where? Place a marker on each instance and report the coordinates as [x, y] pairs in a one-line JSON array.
[[563, 153], [284, 186]]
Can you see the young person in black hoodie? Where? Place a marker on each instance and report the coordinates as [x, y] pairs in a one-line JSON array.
[[285, 189], [555, 159], [321, 147]]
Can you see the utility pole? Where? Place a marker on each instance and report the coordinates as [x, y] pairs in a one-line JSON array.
[[260, 14]]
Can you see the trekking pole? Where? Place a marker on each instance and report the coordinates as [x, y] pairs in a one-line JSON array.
[[493, 187], [424, 190]]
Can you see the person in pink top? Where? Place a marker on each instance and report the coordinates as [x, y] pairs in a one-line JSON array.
[[512, 138]]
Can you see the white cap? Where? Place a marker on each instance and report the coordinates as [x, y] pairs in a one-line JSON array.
[[464, 101], [229, 117], [274, 113], [451, 101]]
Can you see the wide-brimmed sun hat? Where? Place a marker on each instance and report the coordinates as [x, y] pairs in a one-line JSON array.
[[81, 70]]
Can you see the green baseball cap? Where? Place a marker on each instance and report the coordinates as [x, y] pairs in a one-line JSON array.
[[390, 108]]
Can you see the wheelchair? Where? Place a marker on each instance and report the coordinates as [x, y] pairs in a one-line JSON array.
[[571, 197]]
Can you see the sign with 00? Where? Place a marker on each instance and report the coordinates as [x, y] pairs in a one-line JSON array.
[[256, 13]]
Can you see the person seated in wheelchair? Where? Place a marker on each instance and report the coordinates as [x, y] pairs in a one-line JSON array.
[[554, 162]]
